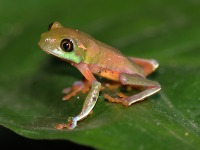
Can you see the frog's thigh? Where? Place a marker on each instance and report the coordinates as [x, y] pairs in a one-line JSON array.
[[149, 65], [151, 87]]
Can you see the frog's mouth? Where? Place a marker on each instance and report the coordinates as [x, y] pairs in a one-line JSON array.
[[47, 52]]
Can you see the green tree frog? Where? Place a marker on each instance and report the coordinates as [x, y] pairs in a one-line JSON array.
[[91, 56]]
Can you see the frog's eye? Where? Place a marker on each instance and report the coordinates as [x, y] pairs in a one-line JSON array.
[[67, 45], [50, 25]]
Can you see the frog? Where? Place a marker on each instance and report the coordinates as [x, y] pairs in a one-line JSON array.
[[95, 58]]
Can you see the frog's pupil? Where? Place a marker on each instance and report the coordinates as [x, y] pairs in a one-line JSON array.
[[67, 45], [50, 25]]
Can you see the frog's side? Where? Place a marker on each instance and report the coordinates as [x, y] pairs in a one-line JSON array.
[[90, 57], [112, 64]]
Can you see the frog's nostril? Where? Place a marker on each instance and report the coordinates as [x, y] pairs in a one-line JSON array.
[[49, 40], [46, 40]]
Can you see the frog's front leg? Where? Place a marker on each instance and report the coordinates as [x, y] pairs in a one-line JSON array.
[[90, 100], [88, 105], [151, 87]]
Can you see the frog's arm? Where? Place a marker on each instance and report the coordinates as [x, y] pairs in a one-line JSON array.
[[90, 100], [149, 65]]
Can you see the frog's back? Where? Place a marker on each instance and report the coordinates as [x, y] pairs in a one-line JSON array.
[[107, 57]]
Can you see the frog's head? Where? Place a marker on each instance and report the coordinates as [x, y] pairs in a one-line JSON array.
[[63, 42]]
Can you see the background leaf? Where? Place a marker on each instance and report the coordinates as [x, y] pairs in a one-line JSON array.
[[31, 81]]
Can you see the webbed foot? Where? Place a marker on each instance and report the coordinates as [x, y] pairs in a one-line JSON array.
[[72, 122]]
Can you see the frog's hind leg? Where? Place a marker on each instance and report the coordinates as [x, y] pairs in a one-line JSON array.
[[149, 65], [151, 87]]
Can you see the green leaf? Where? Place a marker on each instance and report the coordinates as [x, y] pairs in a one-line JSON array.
[[31, 81]]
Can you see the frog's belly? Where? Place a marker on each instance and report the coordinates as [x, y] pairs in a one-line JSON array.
[[112, 74], [106, 73], [113, 65]]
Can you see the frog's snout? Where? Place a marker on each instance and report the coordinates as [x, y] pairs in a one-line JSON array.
[[42, 42], [42, 35]]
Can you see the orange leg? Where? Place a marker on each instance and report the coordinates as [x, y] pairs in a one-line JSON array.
[[111, 86], [151, 87], [78, 86]]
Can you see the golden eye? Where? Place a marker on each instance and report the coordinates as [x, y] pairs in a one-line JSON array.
[[67, 45]]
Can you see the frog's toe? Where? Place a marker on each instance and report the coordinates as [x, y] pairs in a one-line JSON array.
[[60, 126], [67, 97], [78, 86], [66, 90], [72, 91], [72, 123], [117, 100]]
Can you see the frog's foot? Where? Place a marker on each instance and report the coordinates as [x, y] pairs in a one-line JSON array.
[[121, 95], [124, 100], [117, 100], [72, 122], [78, 86]]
